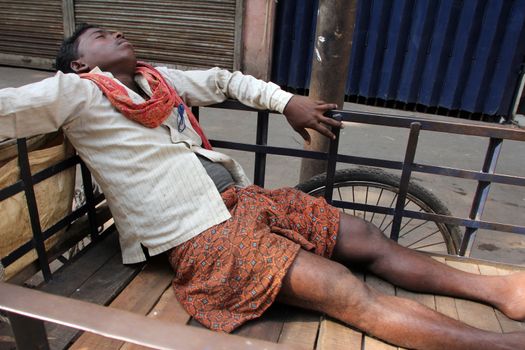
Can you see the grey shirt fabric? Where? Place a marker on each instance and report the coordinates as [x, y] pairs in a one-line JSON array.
[[220, 176]]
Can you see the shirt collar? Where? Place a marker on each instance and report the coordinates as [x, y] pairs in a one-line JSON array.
[[139, 79]]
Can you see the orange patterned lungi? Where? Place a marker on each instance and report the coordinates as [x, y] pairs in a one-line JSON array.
[[233, 271]]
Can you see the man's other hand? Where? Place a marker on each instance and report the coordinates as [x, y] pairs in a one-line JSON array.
[[303, 112]]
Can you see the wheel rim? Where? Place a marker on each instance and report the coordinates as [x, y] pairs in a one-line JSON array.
[[416, 234]]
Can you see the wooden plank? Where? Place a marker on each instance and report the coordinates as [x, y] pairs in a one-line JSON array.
[[334, 335], [75, 233], [475, 314], [300, 328], [101, 288], [140, 295], [446, 306], [507, 325], [504, 266], [385, 288], [71, 276], [267, 327], [167, 309], [426, 299]]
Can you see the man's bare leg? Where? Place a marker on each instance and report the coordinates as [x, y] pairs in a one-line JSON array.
[[320, 284], [360, 243]]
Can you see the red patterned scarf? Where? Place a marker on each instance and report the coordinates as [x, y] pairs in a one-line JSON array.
[[152, 112]]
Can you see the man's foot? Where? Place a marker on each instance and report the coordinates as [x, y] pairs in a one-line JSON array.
[[512, 301]]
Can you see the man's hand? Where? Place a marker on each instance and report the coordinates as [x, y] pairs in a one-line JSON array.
[[303, 112]]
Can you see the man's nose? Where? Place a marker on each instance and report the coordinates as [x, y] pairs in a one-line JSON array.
[[118, 35]]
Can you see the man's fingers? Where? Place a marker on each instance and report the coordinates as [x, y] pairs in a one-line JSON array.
[[324, 131], [326, 107], [305, 135], [331, 122]]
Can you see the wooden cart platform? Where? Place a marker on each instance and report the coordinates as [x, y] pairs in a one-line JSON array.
[[293, 326], [98, 276]]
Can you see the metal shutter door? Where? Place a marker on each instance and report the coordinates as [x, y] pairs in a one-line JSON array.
[[185, 34], [32, 32]]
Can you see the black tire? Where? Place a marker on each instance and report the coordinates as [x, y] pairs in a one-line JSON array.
[[447, 237]]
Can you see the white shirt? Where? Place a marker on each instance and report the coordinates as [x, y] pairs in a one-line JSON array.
[[158, 191]]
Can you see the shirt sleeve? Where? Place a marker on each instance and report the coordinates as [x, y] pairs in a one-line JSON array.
[[44, 106], [201, 88]]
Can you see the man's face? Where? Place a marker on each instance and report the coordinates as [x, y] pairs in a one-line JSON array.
[[102, 48]]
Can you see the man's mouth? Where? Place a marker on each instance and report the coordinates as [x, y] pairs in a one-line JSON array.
[[123, 42]]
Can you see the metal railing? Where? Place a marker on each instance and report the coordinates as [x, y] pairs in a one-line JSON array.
[[26, 184], [27, 310], [494, 133]]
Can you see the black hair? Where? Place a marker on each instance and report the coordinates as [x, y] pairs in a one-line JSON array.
[[68, 51]]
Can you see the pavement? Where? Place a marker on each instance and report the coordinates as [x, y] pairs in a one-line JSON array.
[[506, 204]]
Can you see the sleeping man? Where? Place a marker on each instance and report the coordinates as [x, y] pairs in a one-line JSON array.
[[235, 248]]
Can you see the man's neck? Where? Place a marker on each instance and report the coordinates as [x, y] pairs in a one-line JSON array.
[[125, 73], [127, 80]]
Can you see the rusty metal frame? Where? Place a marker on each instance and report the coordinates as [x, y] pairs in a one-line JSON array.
[[30, 307], [26, 185], [494, 133]]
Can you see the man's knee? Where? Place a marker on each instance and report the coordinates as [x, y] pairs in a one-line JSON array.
[[358, 241]]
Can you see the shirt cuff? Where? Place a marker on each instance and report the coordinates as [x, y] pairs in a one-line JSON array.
[[280, 99]]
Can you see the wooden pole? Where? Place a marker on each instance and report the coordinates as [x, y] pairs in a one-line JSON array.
[[330, 64]]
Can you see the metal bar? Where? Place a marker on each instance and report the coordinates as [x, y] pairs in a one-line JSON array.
[[16, 254], [332, 162], [64, 222], [282, 151], [38, 177], [30, 333], [479, 224], [26, 247], [381, 163], [470, 174], [11, 190], [262, 140], [482, 192], [38, 241], [234, 104], [410, 154], [56, 168], [508, 132], [464, 127], [90, 201], [120, 324]]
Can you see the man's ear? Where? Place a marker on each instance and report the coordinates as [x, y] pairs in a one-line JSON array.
[[79, 67]]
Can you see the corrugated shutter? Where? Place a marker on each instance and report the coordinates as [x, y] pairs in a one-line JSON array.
[[187, 34], [456, 57], [32, 32]]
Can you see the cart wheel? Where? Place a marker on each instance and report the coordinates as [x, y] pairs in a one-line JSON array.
[[376, 187]]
